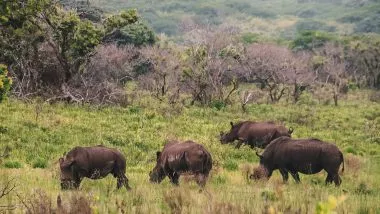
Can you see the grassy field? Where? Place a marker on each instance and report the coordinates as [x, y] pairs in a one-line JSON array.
[[38, 134]]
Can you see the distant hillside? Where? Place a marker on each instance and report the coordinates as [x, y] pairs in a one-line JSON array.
[[278, 18]]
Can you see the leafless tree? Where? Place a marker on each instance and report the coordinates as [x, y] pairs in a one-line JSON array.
[[276, 69], [163, 75], [210, 65], [6, 188], [330, 69]]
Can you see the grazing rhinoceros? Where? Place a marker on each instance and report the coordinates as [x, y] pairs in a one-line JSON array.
[[307, 156], [255, 134], [94, 163], [177, 158]]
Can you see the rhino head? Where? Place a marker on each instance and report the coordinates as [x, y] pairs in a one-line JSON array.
[[67, 175], [158, 173]]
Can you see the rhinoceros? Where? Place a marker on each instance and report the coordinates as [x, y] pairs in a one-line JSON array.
[[92, 162], [307, 156], [177, 158]]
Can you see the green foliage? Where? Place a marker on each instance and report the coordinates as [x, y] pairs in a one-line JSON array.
[[121, 20], [217, 104], [306, 99], [5, 82], [12, 164], [127, 28], [230, 165], [249, 38], [40, 163], [76, 38], [309, 40]]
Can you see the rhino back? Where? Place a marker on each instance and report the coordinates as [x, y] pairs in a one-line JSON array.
[[187, 156], [301, 151], [256, 130], [98, 157]]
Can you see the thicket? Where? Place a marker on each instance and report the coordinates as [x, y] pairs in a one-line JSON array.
[[60, 56]]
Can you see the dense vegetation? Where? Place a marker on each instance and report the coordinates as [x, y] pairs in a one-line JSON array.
[[93, 72]]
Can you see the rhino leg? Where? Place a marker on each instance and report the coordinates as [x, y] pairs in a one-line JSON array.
[[337, 180], [238, 145], [285, 175], [174, 177], [296, 177], [201, 179], [122, 180], [333, 177], [328, 179]]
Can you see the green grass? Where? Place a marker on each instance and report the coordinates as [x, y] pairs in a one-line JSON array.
[[142, 129]]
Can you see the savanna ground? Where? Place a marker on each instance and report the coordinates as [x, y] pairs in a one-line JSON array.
[[37, 134]]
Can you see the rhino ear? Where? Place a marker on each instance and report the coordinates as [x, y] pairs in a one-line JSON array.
[[232, 124], [158, 153], [65, 163], [290, 130], [258, 155]]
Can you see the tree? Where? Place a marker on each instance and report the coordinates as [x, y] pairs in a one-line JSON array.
[[309, 40], [363, 61], [163, 75], [35, 29], [266, 65], [329, 66], [128, 28], [210, 64]]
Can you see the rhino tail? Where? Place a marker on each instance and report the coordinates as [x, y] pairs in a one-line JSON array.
[[341, 157]]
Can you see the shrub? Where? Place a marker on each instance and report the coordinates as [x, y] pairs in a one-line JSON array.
[[230, 165], [12, 164], [249, 38], [40, 163], [351, 150], [306, 99], [217, 104], [5, 82]]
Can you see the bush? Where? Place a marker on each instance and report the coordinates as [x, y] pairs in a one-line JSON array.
[[218, 104], [230, 165], [306, 99], [40, 163], [12, 164], [5, 82]]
